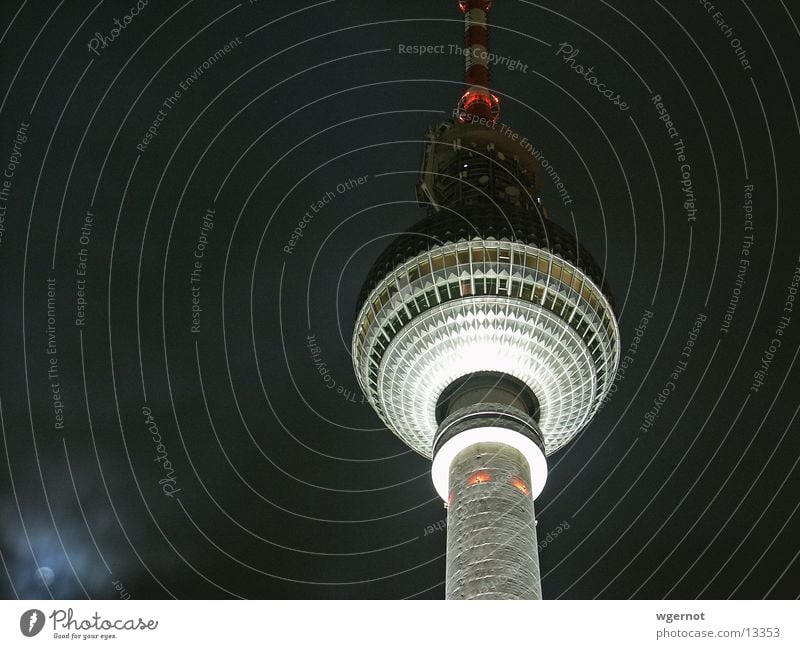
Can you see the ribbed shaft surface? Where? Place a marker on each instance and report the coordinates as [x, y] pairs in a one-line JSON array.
[[491, 536]]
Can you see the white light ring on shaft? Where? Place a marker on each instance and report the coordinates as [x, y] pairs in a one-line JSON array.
[[440, 469]]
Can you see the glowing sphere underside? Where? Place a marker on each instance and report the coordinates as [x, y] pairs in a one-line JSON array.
[[480, 334], [485, 306]]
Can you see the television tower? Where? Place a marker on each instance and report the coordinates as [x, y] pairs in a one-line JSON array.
[[485, 337]]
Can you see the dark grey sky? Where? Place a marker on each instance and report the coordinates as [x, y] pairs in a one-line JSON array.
[[273, 479]]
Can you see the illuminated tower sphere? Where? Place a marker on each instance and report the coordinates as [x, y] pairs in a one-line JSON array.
[[485, 338]]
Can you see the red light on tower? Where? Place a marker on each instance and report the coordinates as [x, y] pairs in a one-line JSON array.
[[485, 5], [479, 477], [478, 103], [520, 485]]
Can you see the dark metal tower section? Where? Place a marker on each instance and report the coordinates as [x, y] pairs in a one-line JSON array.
[[470, 165]]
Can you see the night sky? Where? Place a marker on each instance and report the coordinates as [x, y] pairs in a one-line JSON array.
[[180, 417]]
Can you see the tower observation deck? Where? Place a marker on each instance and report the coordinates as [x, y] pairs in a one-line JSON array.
[[485, 337]]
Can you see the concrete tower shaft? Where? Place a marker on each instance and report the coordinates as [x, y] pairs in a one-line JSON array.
[[491, 532], [490, 452]]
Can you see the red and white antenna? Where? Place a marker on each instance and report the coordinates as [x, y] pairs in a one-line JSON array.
[[477, 102]]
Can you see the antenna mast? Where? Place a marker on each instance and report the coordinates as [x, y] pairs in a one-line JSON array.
[[477, 102]]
